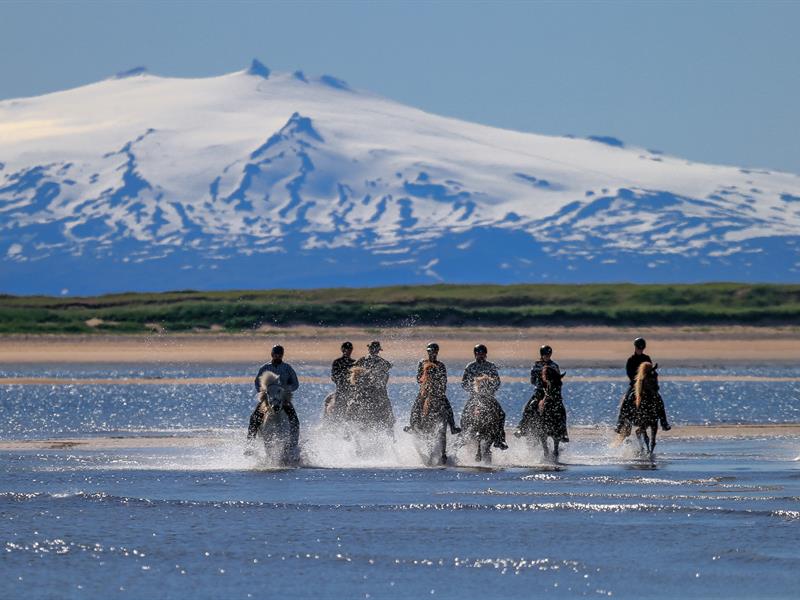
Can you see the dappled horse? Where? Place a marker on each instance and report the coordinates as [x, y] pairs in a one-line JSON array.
[[368, 411], [547, 417], [275, 428], [431, 414], [481, 419], [641, 408]]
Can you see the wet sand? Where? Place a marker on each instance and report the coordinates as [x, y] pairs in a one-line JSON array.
[[576, 346], [204, 440]]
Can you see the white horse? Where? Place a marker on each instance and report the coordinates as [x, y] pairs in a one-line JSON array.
[[275, 427]]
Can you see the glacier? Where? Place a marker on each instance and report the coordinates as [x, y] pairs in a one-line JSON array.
[[260, 179]]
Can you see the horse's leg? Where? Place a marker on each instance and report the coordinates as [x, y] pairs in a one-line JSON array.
[[646, 439], [487, 452], [556, 440], [443, 442], [545, 447], [640, 436], [653, 441], [479, 454]]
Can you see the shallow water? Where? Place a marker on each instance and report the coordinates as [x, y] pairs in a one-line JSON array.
[[35, 411], [706, 518]]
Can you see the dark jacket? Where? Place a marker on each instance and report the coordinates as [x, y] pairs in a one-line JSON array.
[[284, 371], [632, 366], [340, 374]]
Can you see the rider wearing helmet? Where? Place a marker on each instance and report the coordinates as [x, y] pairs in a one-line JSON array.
[[638, 357], [632, 368], [438, 373], [481, 366], [545, 360], [288, 379]]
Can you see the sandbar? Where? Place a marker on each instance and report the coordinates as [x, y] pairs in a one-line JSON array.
[[573, 346]]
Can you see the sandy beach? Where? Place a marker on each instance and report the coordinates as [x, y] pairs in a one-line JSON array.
[[574, 346]]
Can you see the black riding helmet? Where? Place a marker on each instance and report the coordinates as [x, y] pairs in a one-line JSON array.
[[432, 347], [347, 345], [639, 343], [480, 348], [277, 349], [545, 350]]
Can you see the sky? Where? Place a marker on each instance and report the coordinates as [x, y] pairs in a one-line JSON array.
[[716, 82]]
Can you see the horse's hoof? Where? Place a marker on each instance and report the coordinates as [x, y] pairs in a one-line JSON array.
[[666, 426], [564, 438], [501, 445], [518, 433]]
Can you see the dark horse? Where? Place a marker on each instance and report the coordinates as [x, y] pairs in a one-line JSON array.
[[546, 417], [481, 419], [641, 408], [431, 415]]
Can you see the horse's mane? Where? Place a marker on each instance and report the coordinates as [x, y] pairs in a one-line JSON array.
[[641, 376], [356, 373], [479, 380], [267, 379], [425, 380]]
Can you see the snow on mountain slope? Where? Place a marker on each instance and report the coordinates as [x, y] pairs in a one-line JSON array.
[[261, 179]]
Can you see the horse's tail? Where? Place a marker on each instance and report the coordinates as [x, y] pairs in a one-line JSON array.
[[638, 386]]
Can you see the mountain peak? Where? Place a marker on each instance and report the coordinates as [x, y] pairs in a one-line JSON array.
[[258, 69], [131, 73]]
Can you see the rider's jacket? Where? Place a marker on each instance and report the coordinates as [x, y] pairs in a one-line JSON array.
[[536, 374], [476, 369], [340, 373], [632, 366], [285, 372], [438, 374]]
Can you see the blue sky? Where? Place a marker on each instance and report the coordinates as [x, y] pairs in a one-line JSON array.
[[711, 81]]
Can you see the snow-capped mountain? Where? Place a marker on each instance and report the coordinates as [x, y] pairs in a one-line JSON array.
[[258, 179]]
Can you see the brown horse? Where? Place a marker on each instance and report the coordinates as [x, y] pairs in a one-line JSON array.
[[431, 414]]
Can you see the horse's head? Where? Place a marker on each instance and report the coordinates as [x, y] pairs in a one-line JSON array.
[[552, 377], [426, 380], [357, 375], [272, 392], [482, 385]]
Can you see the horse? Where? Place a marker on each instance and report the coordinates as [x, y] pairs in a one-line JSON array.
[[275, 429], [640, 408], [546, 417], [369, 407], [430, 416], [481, 419]]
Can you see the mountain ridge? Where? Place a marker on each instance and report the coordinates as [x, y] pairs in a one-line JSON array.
[[207, 181]]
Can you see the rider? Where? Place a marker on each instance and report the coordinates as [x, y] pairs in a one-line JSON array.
[[340, 375], [481, 366], [545, 360], [288, 379], [632, 368], [374, 393], [438, 374]]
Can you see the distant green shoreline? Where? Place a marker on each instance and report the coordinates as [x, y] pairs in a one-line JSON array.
[[451, 305]]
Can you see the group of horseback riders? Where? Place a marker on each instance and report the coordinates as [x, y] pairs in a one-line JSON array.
[[361, 398]]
